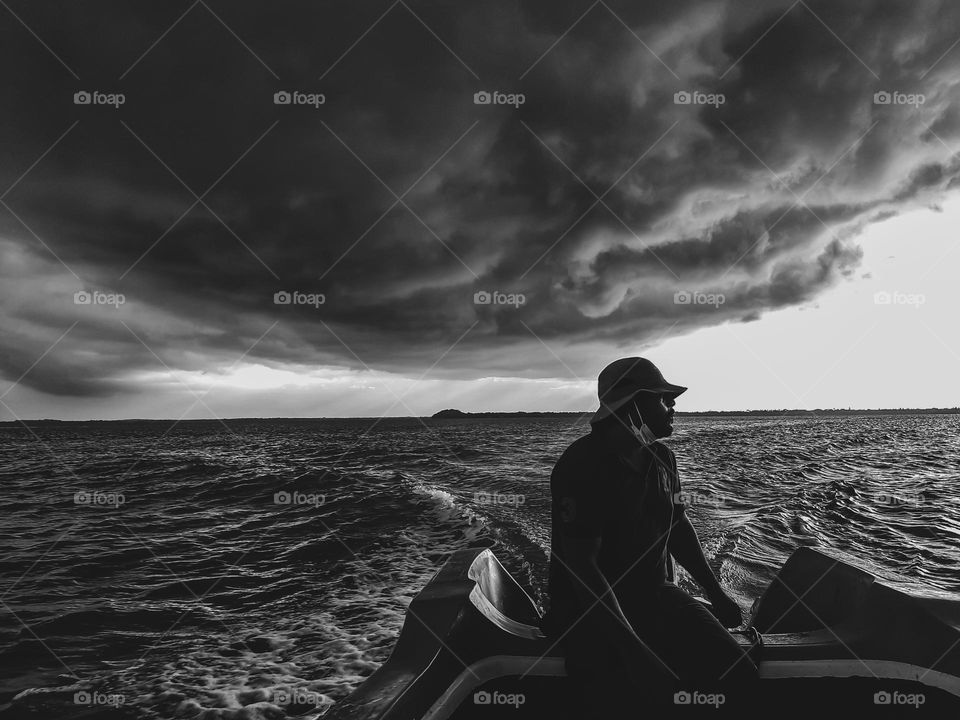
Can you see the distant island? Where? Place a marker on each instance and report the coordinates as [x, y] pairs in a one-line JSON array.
[[456, 414], [453, 414]]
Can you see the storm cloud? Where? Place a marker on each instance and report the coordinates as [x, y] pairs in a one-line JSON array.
[[664, 156]]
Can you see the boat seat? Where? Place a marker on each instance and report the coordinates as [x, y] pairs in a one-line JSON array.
[[500, 599]]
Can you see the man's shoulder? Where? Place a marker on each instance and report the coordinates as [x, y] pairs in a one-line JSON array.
[[584, 459], [584, 449]]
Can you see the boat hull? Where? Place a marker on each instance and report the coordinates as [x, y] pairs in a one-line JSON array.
[[826, 637]]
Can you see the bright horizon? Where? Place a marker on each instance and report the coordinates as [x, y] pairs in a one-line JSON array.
[[843, 329], [752, 368]]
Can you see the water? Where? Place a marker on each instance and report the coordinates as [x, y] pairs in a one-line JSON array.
[[184, 589]]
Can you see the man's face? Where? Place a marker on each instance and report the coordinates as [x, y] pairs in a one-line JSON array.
[[656, 410]]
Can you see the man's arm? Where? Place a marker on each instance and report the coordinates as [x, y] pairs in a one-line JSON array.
[[595, 593], [685, 547]]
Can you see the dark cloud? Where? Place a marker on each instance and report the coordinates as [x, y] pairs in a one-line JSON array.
[[598, 199]]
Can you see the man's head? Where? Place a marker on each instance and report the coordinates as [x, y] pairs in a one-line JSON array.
[[655, 410], [634, 390]]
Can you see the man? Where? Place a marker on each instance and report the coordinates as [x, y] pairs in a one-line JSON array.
[[617, 517]]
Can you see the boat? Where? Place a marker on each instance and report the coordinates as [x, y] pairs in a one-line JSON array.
[[825, 635]]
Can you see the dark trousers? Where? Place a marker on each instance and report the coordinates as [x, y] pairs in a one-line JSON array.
[[682, 632]]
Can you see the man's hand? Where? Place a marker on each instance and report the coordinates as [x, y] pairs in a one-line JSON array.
[[726, 609]]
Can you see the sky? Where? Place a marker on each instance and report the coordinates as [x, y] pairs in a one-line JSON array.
[[475, 206]]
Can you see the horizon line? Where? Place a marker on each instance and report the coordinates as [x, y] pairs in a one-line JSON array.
[[781, 411]]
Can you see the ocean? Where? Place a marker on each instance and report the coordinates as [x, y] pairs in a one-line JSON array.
[[261, 568]]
